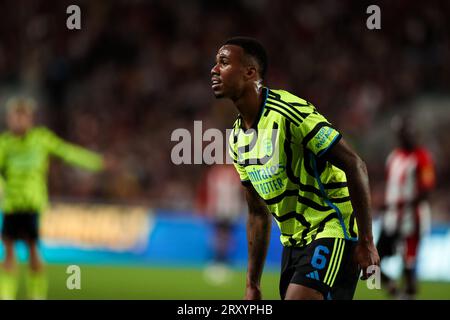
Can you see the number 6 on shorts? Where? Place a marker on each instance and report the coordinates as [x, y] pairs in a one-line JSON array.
[[318, 260]]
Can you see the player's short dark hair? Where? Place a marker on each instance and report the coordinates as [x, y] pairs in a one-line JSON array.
[[253, 48]]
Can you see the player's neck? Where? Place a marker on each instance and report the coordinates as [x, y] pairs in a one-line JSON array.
[[20, 133], [249, 104], [409, 147]]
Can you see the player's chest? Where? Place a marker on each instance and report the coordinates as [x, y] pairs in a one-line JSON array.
[[402, 167], [260, 146], [263, 156], [25, 154]]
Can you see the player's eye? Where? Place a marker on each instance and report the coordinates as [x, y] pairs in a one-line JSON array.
[[223, 61]]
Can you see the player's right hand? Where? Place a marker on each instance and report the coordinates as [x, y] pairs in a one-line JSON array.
[[366, 255]]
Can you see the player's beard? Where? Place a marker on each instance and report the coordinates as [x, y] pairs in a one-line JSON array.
[[230, 92], [219, 95]]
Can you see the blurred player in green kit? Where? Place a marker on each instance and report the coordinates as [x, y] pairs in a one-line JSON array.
[[24, 161]]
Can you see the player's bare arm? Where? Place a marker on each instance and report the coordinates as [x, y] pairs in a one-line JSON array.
[[258, 236], [343, 157]]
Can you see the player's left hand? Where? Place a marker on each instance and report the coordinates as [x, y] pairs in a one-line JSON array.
[[366, 255], [253, 293], [110, 162]]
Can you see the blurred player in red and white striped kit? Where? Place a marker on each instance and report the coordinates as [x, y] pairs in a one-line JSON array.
[[410, 176]]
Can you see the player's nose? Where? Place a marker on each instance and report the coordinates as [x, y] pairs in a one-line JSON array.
[[215, 70]]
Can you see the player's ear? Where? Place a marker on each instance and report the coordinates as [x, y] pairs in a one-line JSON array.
[[251, 72]]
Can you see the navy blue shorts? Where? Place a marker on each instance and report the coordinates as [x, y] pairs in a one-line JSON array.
[[326, 265], [21, 226]]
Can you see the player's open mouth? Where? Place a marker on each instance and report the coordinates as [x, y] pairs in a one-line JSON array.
[[215, 82]]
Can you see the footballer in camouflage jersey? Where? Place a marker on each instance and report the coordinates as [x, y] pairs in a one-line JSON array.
[[296, 167], [24, 161], [307, 196]]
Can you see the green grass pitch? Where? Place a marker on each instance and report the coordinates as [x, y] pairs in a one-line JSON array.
[[127, 282]]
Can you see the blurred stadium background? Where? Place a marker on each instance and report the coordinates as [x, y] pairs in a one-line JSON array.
[[137, 70]]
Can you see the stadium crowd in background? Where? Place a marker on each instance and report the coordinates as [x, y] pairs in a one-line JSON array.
[[137, 71]]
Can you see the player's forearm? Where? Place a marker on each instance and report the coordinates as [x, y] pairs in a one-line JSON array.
[[358, 185], [343, 157], [258, 237], [80, 157]]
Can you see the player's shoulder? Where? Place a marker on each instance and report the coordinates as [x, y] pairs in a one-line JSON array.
[[42, 130], [423, 154], [5, 135], [287, 97], [4, 138], [287, 105], [42, 135], [421, 150], [395, 153], [392, 155]]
